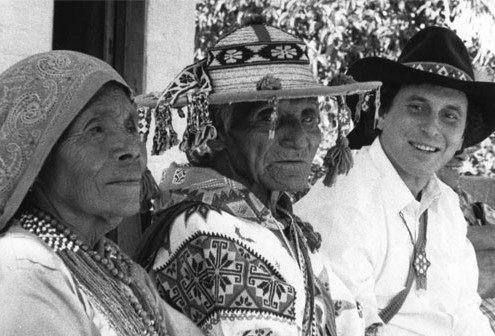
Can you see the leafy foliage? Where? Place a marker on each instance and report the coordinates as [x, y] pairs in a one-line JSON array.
[[339, 32]]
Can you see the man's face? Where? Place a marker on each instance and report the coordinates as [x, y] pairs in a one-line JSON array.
[[450, 172], [423, 129], [283, 163]]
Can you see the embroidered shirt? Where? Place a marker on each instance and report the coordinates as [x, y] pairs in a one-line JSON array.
[[39, 296], [371, 250], [227, 265]]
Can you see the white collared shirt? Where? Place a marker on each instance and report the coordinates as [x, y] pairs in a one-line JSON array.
[[370, 248]]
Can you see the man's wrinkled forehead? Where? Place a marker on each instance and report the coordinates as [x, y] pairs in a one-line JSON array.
[[242, 113]]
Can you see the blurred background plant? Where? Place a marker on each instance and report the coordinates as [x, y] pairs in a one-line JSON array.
[[339, 32]]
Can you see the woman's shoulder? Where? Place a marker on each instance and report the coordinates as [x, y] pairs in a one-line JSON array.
[[20, 249]]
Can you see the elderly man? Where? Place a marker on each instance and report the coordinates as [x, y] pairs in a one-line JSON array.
[[225, 248], [393, 231]]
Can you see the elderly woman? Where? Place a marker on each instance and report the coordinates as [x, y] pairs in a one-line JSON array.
[[225, 247], [71, 163]]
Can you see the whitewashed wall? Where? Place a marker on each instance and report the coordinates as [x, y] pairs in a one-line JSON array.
[[25, 29], [169, 44]]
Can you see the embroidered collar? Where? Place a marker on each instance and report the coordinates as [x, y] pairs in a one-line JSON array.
[[208, 186]]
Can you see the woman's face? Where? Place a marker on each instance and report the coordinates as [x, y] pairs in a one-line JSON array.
[[96, 167], [282, 163]]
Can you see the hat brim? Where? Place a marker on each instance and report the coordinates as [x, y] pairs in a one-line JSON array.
[[481, 95], [305, 92]]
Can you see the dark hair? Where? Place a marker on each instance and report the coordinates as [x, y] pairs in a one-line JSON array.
[[387, 95], [364, 132]]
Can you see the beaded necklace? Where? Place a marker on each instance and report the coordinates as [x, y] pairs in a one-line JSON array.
[[420, 262], [107, 279]]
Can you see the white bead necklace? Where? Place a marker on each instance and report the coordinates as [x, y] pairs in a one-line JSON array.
[[62, 240]]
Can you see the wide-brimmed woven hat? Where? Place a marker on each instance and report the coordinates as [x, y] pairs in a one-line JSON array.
[[253, 63], [241, 61], [437, 56]]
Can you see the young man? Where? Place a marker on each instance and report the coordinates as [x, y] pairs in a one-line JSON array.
[[394, 232]]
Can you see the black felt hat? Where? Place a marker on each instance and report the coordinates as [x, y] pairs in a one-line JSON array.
[[437, 56]]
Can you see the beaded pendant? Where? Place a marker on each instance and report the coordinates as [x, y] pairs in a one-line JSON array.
[[420, 264]]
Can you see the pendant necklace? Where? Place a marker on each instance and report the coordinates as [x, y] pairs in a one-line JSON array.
[[420, 262]]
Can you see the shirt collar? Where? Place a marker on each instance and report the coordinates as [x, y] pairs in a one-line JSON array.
[[205, 185]]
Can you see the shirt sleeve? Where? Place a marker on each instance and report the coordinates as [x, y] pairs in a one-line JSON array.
[[174, 322], [352, 254], [36, 300], [471, 320], [348, 312]]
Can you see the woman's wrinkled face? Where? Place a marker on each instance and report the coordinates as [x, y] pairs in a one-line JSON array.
[[96, 167], [282, 163]]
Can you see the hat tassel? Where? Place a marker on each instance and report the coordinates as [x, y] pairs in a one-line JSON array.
[[273, 117], [377, 108], [359, 107], [338, 159], [165, 135]]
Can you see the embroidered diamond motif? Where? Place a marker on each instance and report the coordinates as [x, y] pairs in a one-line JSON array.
[[418, 66], [442, 71], [213, 273]]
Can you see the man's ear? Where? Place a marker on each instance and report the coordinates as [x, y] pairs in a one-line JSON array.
[[460, 147], [380, 122], [217, 144]]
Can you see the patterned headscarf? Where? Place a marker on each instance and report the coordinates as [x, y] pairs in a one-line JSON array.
[[39, 97]]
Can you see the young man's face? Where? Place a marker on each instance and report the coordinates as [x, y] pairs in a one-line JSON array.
[[423, 129]]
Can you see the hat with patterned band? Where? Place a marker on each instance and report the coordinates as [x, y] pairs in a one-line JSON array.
[[437, 56], [253, 63]]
